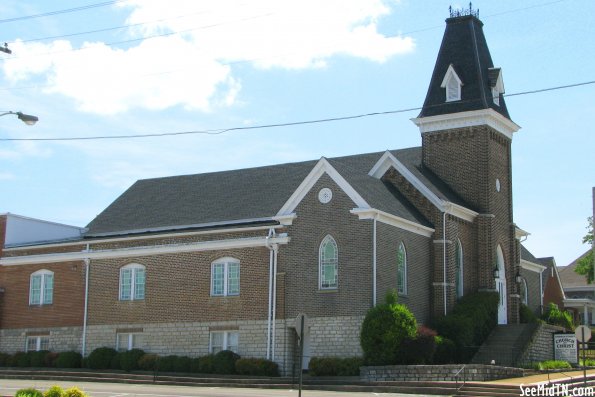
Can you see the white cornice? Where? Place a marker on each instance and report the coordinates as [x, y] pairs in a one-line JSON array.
[[239, 243], [520, 233], [393, 220], [322, 167], [172, 234], [285, 220], [578, 303], [471, 118], [388, 160], [532, 266]]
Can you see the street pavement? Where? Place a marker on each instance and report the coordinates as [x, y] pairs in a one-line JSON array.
[[8, 387]]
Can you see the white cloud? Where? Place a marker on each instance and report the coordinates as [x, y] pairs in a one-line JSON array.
[[193, 69], [6, 176]]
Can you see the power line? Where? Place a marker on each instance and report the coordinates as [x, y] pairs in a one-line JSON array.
[[63, 11], [277, 125]]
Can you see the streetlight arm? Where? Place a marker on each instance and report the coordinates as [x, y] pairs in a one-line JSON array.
[[25, 118]]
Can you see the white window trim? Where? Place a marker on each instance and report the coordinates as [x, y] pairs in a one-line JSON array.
[[38, 339], [448, 77], [134, 267], [461, 287], [225, 343], [405, 289], [225, 262], [496, 96], [326, 238], [130, 343], [43, 273]]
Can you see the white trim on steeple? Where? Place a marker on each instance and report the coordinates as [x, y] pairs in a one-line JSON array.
[[471, 118], [453, 84]]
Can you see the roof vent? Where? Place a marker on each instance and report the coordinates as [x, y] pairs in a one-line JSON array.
[[464, 12]]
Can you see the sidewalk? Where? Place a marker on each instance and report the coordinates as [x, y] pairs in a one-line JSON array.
[[540, 378]]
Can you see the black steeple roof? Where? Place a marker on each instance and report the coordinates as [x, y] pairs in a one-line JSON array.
[[464, 47]]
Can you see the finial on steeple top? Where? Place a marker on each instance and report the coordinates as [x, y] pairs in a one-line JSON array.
[[463, 12]]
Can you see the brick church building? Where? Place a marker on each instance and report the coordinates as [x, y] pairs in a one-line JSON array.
[[199, 263]]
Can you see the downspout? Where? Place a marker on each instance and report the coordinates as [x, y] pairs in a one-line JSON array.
[[374, 263], [541, 289], [270, 294], [86, 310], [444, 257], [275, 251]]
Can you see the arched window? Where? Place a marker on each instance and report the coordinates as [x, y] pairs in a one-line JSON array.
[[523, 291], [459, 269], [402, 270], [328, 264], [41, 288], [132, 282], [225, 277]]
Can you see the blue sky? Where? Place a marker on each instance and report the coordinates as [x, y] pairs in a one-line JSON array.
[[233, 63]]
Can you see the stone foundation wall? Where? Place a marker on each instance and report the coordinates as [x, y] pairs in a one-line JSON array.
[[61, 339], [335, 336], [541, 347], [431, 373]]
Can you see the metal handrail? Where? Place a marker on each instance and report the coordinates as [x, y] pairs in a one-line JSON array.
[[456, 376]]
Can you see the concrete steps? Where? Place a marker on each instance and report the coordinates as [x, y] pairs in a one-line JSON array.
[[488, 390], [504, 345]]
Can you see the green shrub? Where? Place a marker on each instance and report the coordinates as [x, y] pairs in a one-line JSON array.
[[69, 360], [148, 362], [115, 363], [224, 362], [22, 359], [3, 359], [553, 364], [29, 392], [554, 316], [256, 367], [335, 366], [418, 350], [37, 359], [74, 392], [589, 362], [470, 322], [167, 363], [384, 328], [129, 359], [50, 358], [182, 364], [206, 364], [526, 314], [11, 359], [101, 358], [445, 351], [54, 391]]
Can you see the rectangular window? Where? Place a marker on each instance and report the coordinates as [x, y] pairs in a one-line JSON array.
[[132, 282], [125, 284], [224, 340], [41, 288], [225, 278], [128, 341], [37, 343], [35, 292]]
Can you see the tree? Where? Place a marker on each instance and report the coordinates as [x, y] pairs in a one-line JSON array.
[[585, 265]]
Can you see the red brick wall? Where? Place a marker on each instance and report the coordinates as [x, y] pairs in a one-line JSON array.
[[68, 300]]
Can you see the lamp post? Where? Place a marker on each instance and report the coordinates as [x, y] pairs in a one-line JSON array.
[[25, 118]]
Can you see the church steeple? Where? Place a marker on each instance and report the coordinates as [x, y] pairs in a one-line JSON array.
[[464, 77]]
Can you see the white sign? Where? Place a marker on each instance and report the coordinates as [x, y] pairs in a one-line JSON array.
[[583, 330], [565, 348]]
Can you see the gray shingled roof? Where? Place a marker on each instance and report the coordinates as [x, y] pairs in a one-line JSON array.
[[570, 278], [465, 47], [251, 194], [528, 256]]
